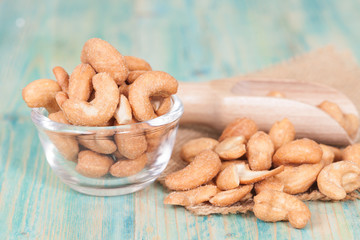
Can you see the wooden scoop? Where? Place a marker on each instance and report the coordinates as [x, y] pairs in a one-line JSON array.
[[217, 103]]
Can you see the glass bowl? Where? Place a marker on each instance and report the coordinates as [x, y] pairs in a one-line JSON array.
[[109, 161]]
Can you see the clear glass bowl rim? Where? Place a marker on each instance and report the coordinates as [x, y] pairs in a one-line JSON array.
[[40, 120]]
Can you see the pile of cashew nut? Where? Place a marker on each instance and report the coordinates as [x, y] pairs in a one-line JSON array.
[[106, 89], [273, 167]]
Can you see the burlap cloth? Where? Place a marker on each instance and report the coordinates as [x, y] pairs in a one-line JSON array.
[[327, 65]]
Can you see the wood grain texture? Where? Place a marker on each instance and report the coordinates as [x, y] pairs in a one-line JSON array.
[[192, 40]]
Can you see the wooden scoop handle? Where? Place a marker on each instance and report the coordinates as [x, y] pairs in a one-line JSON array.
[[216, 104]]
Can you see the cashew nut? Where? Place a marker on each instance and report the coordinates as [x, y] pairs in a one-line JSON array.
[[133, 75], [226, 198], [298, 152], [92, 164], [333, 110], [231, 148], [80, 86], [274, 206], [192, 197], [103, 57], [124, 90], [66, 144], [225, 164], [204, 168], [239, 127], [98, 111], [271, 183], [260, 150], [136, 64], [236, 174], [149, 84], [41, 93], [351, 124], [328, 155], [62, 78], [282, 132], [123, 113], [298, 179], [339, 178], [352, 153], [193, 147], [99, 143], [126, 168], [276, 94], [161, 105], [133, 144]]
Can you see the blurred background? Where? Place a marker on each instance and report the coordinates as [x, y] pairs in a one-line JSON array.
[[192, 40]]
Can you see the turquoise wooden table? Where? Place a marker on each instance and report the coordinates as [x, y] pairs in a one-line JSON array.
[[192, 40]]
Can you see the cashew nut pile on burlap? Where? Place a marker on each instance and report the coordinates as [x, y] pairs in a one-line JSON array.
[[271, 168], [106, 89]]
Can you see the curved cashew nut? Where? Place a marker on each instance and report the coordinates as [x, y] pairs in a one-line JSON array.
[[339, 178], [192, 197], [333, 110], [195, 146], [152, 83], [260, 150], [103, 57], [298, 152], [133, 75], [273, 206], [80, 86], [239, 127], [62, 78], [126, 168], [328, 155], [41, 93], [282, 132], [100, 110], [236, 174], [92, 164], [65, 144], [231, 148], [136, 64], [226, 198], [352, 153], [351, 124], [204, 168], [98, 143], [298, 179], [271, 183], [161, 105]]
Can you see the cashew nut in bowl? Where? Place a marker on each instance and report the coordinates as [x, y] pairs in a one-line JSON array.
[[98, 111], [136, 64], [282, 132], [133, 144], [133, 75], [149, 84], [123, 113], [298, 152], [192, 197], [62, 78], [339, 178], [274, 206], [205, 167], [92, 164], [161, 105], [98, 143], [41, 93], [124, 90], [240, 127], [103, 57], [352, 153], [65, 144], [193, 147], [260, 150], [128, 167], [80, 86]]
